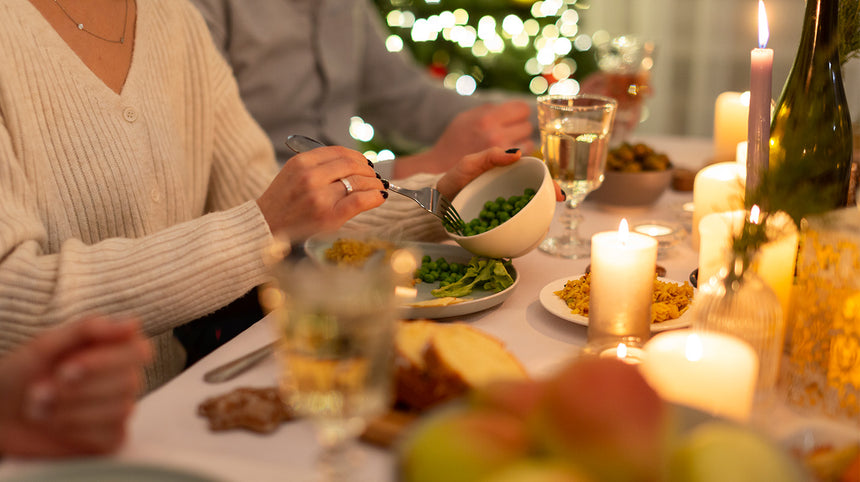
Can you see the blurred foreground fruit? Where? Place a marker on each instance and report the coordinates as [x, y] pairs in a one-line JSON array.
[[463, 446], [601, 414], [720, 451]]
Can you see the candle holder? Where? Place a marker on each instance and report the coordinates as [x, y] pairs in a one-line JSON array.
[[667, 234]]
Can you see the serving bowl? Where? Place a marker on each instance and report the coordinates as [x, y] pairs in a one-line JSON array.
[[631, 189], [523, 231], [636, 176]]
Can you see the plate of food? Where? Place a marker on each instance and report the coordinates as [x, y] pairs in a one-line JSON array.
[[424, 304], [570, 302]]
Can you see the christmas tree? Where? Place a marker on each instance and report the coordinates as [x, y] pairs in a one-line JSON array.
[[517, 45]]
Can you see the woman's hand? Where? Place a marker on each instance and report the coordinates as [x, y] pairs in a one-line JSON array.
[[309, 196], [70, 391], [474, 165], [507, 124]]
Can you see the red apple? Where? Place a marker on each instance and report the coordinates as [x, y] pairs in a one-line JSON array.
[[602, 415]]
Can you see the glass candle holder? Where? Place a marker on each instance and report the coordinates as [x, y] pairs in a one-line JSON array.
[[667, 234], [737, 302]]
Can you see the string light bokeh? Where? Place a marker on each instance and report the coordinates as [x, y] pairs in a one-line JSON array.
[[525, 46]]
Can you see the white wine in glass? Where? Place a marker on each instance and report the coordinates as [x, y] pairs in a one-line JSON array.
[[336, 348], [575, 132]]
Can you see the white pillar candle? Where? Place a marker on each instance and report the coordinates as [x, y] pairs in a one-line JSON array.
[[623, 266], [717, 188], [716, 231], [777, 258], [713, 372], [731, 119], [775, 261]]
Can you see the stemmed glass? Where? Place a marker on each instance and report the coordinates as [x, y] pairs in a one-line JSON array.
[[574, 132], [336, 337], [625, 63]]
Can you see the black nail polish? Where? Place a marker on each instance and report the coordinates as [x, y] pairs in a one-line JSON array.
[[384, 194], [378, 176], [385, 183], [368, 162], [513, 150]]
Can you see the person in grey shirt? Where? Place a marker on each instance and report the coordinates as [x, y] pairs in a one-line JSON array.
[[308, 66]]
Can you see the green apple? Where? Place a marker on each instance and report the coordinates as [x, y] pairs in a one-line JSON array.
[[538, 470], [720, 451], [463, 445]]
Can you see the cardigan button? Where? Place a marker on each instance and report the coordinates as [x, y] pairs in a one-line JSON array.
[[129, 114]]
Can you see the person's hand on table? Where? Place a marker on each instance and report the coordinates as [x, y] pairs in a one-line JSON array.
[[319, 190], [473, 165], [489, 125], [71, 390]]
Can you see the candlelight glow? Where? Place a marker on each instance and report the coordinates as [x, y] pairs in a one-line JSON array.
[[623, 231], [763, 32], [621, 351], [755, 214], [693, 349]]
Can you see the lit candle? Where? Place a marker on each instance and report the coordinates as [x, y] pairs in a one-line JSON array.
[[717, 188], [775, 260], [629, 355], [731, 114], [653, 230], [713, 372], [778, 257], [761, 73], [622, 281], [716, 231]]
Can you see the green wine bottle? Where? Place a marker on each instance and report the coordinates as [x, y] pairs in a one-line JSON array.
[[811, 127]]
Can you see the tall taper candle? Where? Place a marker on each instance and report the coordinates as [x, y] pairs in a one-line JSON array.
[[761, 74]]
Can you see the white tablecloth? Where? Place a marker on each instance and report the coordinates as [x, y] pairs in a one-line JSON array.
[[166, 430]]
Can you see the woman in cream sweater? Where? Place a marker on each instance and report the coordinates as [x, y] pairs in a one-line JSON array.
[[134, 182]]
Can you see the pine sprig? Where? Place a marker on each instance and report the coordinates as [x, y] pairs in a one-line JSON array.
[[790, 187], [849, 30]]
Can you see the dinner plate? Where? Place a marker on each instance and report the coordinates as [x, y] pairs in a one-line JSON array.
[[559, 308], [108, 471], [476, 301]]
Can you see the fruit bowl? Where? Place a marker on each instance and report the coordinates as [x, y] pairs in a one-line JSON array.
[[523, 231]]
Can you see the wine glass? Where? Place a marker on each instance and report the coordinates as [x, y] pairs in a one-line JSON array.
[[574, 132], [336, 347], [625, 64]]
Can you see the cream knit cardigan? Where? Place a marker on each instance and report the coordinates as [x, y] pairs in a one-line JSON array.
[[135, 203]]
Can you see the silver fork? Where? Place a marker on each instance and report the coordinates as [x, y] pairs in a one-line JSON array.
[[428, 198]]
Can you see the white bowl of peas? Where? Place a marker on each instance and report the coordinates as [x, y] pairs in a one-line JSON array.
[[508, 210]]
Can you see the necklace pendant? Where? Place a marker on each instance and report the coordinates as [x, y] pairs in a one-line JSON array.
[[80, 26]]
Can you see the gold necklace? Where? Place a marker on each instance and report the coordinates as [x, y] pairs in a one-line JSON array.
[[81, 26]]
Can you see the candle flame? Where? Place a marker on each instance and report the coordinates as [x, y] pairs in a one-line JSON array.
[[621, 351], [623, 231], [693, 350], [745, 98], [755, 214], [763, 32]]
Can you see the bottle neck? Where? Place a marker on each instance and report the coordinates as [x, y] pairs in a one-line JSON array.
[[820, 29]]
